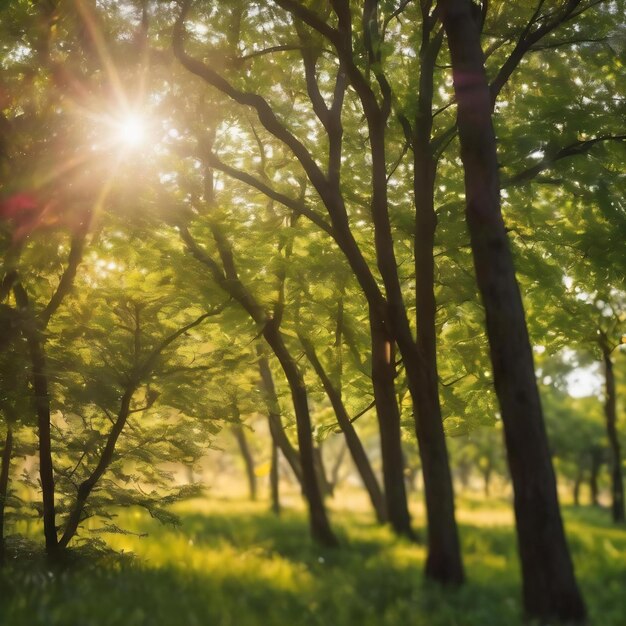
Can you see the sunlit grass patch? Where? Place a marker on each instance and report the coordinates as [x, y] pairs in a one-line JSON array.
[[232, 563]]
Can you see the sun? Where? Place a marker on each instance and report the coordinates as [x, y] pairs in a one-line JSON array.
[[131, 130]]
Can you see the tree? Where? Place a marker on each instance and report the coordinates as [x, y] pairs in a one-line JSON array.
[[575, 285], [334, 393], [444, 562], [549, 584], [226, 275]]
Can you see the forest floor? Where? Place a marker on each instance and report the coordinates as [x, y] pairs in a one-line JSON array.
[[231, 563]]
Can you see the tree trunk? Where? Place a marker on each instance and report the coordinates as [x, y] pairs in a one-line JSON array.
[[443, 562], [246, 454], [610, 413], [412, 473], [383, 373], [335, 473], [274, 480], [325, 485], [444, 554], [4, 485], [577, 484], [596, 464], [46, 472], [549, 584], [275, 423], [226, 276], [487, 478], [359, 456], [320, 527], [87, 486], [42, 407]]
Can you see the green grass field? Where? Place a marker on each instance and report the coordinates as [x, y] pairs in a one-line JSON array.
[[231, 563]]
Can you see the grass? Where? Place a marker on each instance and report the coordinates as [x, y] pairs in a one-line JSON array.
[[233, 564]]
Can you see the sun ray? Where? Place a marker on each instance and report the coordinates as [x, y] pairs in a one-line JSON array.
[[103, 53]]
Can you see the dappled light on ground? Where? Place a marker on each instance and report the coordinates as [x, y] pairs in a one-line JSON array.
[[231, 563]]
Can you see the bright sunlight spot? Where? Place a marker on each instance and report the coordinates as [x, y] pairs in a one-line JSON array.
[[132, 131]]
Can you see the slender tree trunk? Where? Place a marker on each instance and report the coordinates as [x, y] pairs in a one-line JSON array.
[[335, 473], [487, 478], [42, 408], [577, 484], [444, 553], [320, 467], [596, 464], [383, 373], [46, 472], [274, 480], [321, 531], [549, 585], [388, 419], [610, 413], [388, 330], [412, 472], [443, 562], [463, 470], [246, 454], [275, 423], [4, 485], [320, 526], [87, 486], [359, 456], [226, 276]]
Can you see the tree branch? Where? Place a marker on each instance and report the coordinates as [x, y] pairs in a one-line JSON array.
[[263, 109], [527, 39], [371, 405], [69, 274], [270, 50], [573, 149], [296, 206]]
